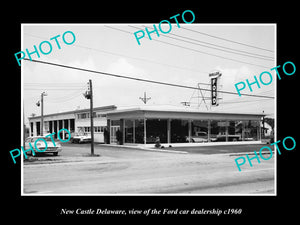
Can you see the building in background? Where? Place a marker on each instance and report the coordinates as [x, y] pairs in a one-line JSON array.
[[76, 121]]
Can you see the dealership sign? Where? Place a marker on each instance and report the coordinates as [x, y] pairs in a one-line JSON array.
[[214, 87], [214, 91]]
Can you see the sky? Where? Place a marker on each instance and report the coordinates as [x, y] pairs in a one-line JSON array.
[[107, 48]]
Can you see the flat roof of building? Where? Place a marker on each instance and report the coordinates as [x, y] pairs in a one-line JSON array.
[[109, 107], [161, 111], [151, 111]]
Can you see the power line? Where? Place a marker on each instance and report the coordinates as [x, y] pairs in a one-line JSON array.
[[54, 84], [131, 57], [246, 101], [224, 39], [219, 47], [237, 50], [49, 88], [66, 99], [195, 50], [139, 79]]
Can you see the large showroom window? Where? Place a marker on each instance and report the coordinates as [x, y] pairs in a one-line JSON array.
[[156, 128]]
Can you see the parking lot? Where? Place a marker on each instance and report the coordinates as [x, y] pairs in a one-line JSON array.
[[119, 170]]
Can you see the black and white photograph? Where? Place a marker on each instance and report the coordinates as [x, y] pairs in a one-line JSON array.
[[171, 113], [149, 111]]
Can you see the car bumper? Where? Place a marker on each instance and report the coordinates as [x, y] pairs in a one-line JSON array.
[[50, 150], [75, 140]]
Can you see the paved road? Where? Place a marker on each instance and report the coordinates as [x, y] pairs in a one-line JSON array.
[[131, 171], [221, 149]]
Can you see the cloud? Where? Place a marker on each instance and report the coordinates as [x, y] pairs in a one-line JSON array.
[[121, 66], [231, 76]]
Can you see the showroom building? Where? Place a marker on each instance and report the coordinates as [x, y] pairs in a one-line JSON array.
[[146, 124]]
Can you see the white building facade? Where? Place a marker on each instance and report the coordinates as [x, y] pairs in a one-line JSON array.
[[76, 121]]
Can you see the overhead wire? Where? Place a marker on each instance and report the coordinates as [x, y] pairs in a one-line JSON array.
[[67, 99], [224, 39], [138, 79], [196, 50], [53, 84], [219, 47], [48, 88]]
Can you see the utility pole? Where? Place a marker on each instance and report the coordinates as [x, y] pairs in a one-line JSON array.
[[92, 118], [263, 125], [89, 95], [42, 112]]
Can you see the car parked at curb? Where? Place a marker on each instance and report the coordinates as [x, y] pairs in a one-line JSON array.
[[54, 148]]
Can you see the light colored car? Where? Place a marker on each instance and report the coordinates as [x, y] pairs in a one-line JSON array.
[[51, 148], [81, 138], [200, 136]]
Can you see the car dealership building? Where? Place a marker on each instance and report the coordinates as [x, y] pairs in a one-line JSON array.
[[143, 125], [76, 121], [146, 124]]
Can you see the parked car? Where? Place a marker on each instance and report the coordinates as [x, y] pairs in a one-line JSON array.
[[81, 138], [51, 148], [200, 136], [230, 137]]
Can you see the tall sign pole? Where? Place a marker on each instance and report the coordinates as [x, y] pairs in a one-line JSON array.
[[91, 117]]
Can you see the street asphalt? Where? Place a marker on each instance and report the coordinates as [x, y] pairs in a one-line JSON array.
[[115, 170]]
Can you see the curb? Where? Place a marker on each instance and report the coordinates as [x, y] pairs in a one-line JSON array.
[[145, 148], [248, 153]]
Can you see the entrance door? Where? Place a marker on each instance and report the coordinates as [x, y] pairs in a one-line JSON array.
[[113, 134]]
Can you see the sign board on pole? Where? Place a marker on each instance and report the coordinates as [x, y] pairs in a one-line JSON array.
[[214, 87], [214, 91]]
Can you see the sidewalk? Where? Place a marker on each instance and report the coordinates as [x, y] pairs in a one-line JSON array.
[[147, 147]]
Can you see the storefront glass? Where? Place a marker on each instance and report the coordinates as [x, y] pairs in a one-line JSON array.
[[251, 130], [129, 131], [235, 130], [217, 130], [139, 131], [156, 128], [199, 131], [179, 131], [114, 128], [182, 131]]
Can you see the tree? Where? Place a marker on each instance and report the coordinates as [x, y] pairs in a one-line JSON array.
[[270, 121]]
